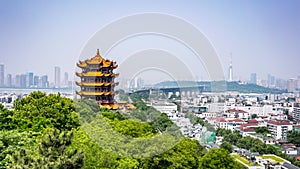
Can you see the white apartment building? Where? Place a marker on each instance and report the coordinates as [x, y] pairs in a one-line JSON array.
[[296, 113], [229, 124], [259, 110], [279, 129], [165, 107]]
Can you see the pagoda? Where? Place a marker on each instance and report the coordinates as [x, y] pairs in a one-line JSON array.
[[97, 80]]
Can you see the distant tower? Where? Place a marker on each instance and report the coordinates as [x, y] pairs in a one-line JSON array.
[[230, 70], [29, 79], [1, 74], [9, 80], [97, 80], [253, 79], [66, 79], [57, 76], [292, 85]]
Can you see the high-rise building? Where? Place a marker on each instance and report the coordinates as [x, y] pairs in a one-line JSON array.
[[29, 79], [57, 77], [9, 80], [253, 79], [292, 84], [23, 81], [44, 81], [280, 84], [18, 81], [140, 83], [2, 75], [66, 79], [36, 81], [271, 81], [97, 80]]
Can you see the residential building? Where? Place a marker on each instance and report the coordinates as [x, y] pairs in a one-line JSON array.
[[296, 114], [279, 129], [165, 107]]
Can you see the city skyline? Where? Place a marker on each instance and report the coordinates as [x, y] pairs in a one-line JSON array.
[[33, 80], [261, 35]]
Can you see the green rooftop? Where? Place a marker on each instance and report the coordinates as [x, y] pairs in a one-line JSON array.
[[273, 157], [244, 161]]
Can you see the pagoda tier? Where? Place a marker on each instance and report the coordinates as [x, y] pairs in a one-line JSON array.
[[97, 80]]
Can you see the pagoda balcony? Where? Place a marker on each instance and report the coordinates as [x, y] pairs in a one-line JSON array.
[[94, 74], [93, 93]]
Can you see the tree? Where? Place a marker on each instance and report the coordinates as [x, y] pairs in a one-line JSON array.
[[52, 153], [223, 132], [12, 141], [253, 116], [122, 95], [227, 146], [262, 130], [218, 159], [133, 128], [138, 115], [194, 119], [94, 155], [38, 111], [232, 138], [6, 119], [185, 154], [294, 137]]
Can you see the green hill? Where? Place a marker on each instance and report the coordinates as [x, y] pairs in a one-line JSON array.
[[221, 86]]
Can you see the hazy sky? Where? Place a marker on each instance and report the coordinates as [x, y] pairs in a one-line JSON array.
[[263, 36]]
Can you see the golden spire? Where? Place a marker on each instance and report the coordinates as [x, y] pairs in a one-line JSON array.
[[98, 53], [96, 59]]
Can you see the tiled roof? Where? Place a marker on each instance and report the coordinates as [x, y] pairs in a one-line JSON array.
[[283, 122], [297, 126], [236, 111], [252, 121], [236, 120]]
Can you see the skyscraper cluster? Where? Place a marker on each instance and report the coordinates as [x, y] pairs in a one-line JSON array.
[[58, 81], [292, 84], [31, 80]]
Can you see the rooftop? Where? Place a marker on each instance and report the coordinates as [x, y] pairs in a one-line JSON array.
[[236, 111], [283, 122]]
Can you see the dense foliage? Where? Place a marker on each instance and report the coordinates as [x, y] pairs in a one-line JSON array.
[[294, 137], [38, 111], [218, 159]]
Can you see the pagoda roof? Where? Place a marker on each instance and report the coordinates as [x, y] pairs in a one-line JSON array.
[[96, 83], [109, 106], [96, 60]]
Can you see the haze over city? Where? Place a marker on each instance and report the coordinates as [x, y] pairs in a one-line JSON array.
[[258, 36]]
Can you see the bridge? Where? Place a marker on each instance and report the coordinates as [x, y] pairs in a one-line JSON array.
[[168, 91]]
